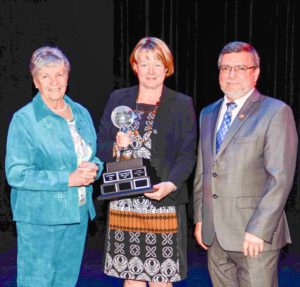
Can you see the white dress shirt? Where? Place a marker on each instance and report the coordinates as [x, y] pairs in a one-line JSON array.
[[239, 102]]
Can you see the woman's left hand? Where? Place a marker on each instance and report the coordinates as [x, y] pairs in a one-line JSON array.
[[161, 190], [83, 175]]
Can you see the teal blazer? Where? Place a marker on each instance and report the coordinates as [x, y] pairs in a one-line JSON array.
[[40, 155]]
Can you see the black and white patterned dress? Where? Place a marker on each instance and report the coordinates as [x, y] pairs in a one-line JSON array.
[[143, 242]]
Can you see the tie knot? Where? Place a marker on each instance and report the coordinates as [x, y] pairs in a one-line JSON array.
[[231, 106]]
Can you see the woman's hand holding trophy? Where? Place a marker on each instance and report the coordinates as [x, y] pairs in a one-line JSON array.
[[123, 117]]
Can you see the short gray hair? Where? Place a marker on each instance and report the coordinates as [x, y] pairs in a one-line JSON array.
[[237, 47], [47, 55]]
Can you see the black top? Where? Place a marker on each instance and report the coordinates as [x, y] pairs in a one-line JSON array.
[[173, 146]]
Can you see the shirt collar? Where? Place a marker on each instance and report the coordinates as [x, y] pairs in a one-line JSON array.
[[41, 110], [239, 101]]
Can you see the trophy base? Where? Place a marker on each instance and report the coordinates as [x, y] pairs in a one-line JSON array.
[[125, 188], [125, 179]]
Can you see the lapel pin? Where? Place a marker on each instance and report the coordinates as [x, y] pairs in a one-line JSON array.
[[241, 116]]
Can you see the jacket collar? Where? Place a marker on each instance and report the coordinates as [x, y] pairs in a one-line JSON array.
[[41, 110], [165, 105], [130, 96], [246, 110]]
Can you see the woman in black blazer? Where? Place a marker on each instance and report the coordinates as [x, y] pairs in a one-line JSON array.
[[146, 236]]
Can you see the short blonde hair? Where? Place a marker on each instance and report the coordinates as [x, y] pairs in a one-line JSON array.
[[160, 50], [46, 56]]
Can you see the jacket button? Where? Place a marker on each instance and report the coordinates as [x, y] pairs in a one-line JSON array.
[[214, 174], [214, 196]]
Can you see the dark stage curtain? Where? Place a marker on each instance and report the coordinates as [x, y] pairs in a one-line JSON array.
[[196, 31], [83, 30]]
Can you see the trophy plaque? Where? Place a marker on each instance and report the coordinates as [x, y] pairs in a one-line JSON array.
[[127, 178]]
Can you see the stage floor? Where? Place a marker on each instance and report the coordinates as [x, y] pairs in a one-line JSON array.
[[91, 274]]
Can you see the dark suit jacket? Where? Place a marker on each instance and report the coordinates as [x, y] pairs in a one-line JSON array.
[[173, 138], [245, 186]]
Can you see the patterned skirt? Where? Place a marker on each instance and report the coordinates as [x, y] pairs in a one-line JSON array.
[[146, 243]]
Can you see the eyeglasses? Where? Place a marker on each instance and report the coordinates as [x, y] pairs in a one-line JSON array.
[[240, 69]]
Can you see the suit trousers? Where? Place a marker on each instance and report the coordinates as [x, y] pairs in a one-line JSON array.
[[51, 255], [234, 269]]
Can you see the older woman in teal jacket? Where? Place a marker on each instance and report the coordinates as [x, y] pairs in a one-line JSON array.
[[51, 165]]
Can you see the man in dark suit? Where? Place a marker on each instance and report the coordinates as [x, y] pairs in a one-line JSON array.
[[245, 170]]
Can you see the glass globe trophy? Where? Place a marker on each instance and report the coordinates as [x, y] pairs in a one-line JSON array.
[[122, 117], [124, 178]]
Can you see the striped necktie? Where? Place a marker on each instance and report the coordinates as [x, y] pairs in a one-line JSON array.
[[224, 125]]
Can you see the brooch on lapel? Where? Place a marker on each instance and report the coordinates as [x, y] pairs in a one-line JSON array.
[[241, 116]]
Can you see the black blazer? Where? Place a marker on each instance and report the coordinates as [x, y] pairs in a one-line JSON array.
[[173, 151]]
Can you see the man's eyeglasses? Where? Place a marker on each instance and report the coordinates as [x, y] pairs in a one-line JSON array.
[[238, 69]]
